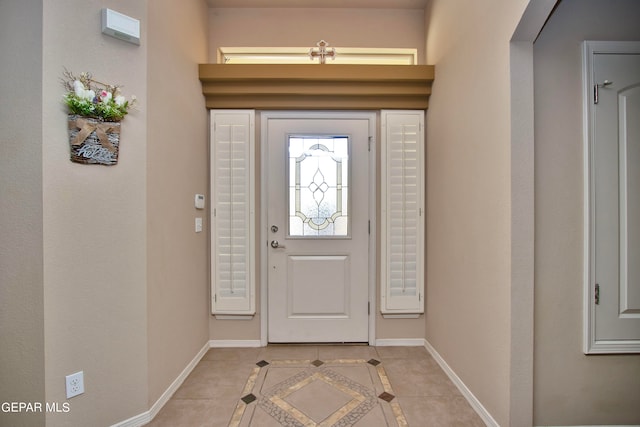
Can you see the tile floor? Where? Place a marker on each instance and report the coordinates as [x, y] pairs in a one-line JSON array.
[[317, 385]]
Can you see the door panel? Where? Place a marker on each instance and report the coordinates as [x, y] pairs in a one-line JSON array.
[[629, 111], [318, 212], [318, 286], [616, 210]]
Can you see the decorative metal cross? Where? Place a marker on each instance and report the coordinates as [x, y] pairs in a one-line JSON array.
[[322, 52]]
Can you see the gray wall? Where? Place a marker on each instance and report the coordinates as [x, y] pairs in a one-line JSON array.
[[469, 230], [569, 387], [21, 257]]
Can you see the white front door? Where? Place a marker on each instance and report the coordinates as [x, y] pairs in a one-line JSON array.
[[616, 198], [318, 220]]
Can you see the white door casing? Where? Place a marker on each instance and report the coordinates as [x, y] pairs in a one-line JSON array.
[[318, 286], [612, 197]]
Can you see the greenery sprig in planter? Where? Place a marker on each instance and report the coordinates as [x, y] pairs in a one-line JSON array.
[[95, 112], [90, 98]]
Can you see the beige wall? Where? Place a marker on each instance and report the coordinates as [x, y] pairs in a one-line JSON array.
[[95, 237], [294, 27], [177, 169], [304, 27], [569, 387], [101, 268], [21, 258], [469, 194]]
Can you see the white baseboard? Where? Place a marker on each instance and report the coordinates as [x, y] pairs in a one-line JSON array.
[[177, 382], [234, 343], [405, 342], [473, 401], [138, 420], [146, 417]]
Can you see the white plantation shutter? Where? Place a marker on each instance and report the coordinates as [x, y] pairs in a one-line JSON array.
[[402, 269], [232, 213]]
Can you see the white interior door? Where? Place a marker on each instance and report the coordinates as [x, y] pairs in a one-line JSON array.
[[616, 201], [318, 219]]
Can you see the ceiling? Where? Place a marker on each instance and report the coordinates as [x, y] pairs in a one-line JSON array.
[[353, 4]]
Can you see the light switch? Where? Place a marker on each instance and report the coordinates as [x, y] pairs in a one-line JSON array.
[[199, 201], [198, 225]]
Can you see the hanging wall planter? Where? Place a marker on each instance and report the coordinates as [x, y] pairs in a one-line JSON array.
[[93, 141], [96, 110]]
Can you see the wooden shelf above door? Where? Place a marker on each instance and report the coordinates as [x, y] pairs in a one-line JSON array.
[[316, 87]]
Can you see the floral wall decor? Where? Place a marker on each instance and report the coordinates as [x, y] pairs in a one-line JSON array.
[[95, 112]]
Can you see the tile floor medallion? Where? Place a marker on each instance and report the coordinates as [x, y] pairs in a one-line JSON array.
[[317, 385], [335, 392]]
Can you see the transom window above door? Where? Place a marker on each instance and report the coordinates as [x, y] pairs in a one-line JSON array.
[[300, 55]]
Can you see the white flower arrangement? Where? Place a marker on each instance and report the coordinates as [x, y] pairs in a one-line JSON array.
[[90, 98]]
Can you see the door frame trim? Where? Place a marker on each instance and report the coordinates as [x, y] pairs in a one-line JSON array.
[[592, 345], [264, 117]]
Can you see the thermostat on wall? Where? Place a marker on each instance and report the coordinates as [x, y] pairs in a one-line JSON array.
[[199, 201], [120, 26]]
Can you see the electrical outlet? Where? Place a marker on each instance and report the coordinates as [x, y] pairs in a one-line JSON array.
[[75, 384]]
